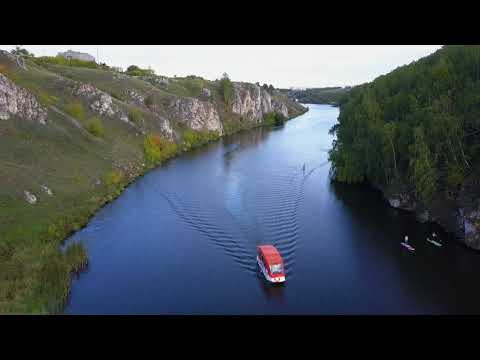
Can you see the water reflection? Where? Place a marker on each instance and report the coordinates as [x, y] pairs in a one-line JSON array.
[[272, 292]]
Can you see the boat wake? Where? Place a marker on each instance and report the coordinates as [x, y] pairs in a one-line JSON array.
[[197, 217], [263, 212]]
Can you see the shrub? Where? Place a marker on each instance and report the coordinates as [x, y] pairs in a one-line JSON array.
[[134, 70], [113, 180], [280, 119], [226, 89], [135, 115], [157, 149], [194, 85], [94, 126], [76, 110], [274, 119], [193, 138], [21, 52], [149, 101]]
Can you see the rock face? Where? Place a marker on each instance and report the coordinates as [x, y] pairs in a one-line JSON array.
[[459, 216], [196, 114], [402, 200], [15, 100], [471, 226], [102, 103], [251, 101], [280, 107], [135, 96]]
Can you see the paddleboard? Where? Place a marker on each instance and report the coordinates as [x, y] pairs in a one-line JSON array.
[[434, 242], [407, 246]]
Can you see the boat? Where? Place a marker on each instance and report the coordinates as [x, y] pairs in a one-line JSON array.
[[436, 243], [271, 263], [407, 246]]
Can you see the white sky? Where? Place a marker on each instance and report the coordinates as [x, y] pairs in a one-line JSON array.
[[280, 65]]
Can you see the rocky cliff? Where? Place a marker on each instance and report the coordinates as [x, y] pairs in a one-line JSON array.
[[254, 102], [458, 213], [15, 100], [197, 114]]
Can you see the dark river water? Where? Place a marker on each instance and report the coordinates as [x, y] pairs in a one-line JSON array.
[[182, 239]]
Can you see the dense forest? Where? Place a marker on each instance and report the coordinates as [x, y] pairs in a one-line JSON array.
[[326, 95], [418, 125]]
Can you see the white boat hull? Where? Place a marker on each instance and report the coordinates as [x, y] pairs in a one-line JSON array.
[[436, 243], [407, 246], [275, 280]]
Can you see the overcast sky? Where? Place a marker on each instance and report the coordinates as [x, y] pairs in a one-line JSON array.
[[281, 66]]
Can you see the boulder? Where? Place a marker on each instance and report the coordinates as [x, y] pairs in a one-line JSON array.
[[47, 190], [206, 92], [29, 197]]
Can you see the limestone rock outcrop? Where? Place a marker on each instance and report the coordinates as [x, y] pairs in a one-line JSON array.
[[197, 114], [15, 100]]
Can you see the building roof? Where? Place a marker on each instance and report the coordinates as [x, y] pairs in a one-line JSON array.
[[271, 254]]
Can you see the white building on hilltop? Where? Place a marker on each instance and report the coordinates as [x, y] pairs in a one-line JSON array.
[[76, 55]]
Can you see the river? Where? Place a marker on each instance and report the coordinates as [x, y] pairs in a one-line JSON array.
[[182, 239]]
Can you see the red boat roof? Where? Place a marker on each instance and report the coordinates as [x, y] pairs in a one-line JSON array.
[[270, 253]]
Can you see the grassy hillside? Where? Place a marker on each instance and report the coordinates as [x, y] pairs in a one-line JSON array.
[[85, 159]]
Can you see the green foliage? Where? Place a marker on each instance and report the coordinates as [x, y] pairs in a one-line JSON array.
[[422, 166], [226, 89], [455, 175], [60, 60], [114, 182], [76, 110], [157, 149], [149, 101], [134, 70], [419, 124], [94, 126], [135, 115], [21, 52], [194, 85], [194, 138], [274, 119]]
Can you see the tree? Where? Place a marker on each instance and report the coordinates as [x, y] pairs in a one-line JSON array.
[[418, 124], [226, 89], [389, 130], [20, 51], [422, 166]]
